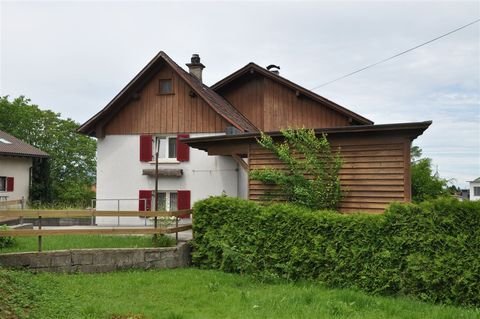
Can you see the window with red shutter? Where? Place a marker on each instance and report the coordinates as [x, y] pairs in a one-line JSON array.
[[10, 184], [183, 202], [183, 150], [145, 200], [145, 148]]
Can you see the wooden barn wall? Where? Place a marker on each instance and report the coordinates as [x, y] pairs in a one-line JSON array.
[[283, 109], [375, 172], [172, 113], [247, 97]]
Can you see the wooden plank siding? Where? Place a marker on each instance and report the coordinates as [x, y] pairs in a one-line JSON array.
[[271, 106], [174, 113], [247, 97], [283, 109], [375, 172]]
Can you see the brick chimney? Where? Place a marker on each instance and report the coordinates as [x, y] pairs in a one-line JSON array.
[[195, 67]]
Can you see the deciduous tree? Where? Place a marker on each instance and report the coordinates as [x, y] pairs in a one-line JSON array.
[[71, 165]]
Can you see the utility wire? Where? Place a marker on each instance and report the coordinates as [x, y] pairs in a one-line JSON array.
[[394, 56]]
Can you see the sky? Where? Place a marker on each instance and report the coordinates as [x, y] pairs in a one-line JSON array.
[[74, 57]]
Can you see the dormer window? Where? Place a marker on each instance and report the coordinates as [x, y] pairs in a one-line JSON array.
[[165, 86]]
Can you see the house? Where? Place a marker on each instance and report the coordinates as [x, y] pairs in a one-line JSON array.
[[16, 160], [475, 189], [166, 109]]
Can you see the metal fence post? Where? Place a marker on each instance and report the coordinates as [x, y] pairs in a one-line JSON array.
[[23, 207], [39, 236], [118, 210]]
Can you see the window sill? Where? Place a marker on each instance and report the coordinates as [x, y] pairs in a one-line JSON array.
[[166, 161]]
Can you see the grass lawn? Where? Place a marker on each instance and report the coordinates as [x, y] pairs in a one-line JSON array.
[[24, 244], [193, 293]]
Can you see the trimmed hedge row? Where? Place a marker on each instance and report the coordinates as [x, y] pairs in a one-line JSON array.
[[430, 251]]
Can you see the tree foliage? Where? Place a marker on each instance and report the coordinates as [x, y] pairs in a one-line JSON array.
[[426, 185], [71, 165], [303, 153]]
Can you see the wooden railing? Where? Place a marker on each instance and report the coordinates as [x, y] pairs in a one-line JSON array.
[[40, 214]]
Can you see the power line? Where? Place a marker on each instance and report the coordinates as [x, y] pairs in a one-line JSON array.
[[396, 55]]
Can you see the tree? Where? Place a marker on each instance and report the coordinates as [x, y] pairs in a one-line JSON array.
[[426, 185], [71, 165], [304, 154]]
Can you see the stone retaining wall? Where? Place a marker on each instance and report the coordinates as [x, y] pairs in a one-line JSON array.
[[100, 260]]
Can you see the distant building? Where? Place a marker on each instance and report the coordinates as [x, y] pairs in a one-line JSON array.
[[16, 160], [475, 189], [465, 194]]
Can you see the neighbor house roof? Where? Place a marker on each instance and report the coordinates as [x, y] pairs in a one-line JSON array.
[[252, 67], [477, 180], [12, 146], [214, 100]]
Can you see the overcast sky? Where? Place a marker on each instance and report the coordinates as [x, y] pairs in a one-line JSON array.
[[74, 57]]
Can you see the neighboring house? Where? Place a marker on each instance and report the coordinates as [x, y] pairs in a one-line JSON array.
[[164, 105], [16, 158], [475, 189]]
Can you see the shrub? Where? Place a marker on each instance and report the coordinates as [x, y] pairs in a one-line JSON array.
[[430, 251], [303, 153], [6, 241]]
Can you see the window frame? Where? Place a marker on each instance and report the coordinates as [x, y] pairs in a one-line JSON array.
[[160, 81], [166, 156], [3, 184], [168, 199], [476, 190]]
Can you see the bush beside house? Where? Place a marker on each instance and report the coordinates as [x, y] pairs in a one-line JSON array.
[[430, 251]]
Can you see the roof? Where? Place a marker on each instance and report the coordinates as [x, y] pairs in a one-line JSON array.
[[277, 78], [214, 100], [476, 180], [411, 129], [12, 146]]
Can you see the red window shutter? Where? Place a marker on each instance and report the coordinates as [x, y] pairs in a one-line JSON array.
[[146, 148], [183, 198], [10, 184], [145, 200], [183, 150]]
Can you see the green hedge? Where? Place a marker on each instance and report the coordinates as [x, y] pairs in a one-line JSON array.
[[430, 251]]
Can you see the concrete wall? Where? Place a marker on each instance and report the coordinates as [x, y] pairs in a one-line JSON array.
[[100, 260], [472, 193], [19, 168], [119, 176]]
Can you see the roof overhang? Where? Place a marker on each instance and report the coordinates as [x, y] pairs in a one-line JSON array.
[[238, 144]]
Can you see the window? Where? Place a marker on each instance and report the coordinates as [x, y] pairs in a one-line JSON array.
[[167, 147], [167, 201], [165, 86], [476, 191], [3, 184]]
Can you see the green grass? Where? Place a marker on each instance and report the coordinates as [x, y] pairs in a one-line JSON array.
[[193, 293], [25, 244]]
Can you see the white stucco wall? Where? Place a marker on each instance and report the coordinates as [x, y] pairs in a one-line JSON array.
[[472, 193], [19, 169], [119, 176]]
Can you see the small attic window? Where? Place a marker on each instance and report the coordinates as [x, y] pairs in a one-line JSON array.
[[165, 86], [4, 141]]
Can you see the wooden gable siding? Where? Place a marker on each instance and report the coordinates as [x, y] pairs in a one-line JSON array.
[[247, 97], [272, 106], [375, 172], [283, 109], [169, 113]]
